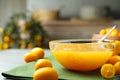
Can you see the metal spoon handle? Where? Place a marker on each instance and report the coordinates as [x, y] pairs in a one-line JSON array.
[[107, 34]]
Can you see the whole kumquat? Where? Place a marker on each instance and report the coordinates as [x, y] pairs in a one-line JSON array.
[[38, 51], [108, 29], [46, 73], [42, 63], [102, 32], [33, 55], [117, 67], [29, 57], [115, 32], [114, 59], [116, 48]]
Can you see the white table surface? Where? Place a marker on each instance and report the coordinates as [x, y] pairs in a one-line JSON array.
[[12, 58]]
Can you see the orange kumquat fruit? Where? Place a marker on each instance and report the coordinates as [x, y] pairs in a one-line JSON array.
[[29, 57], [102, 32], [114, 59], [42, 63], [108, 71], [38, 51], [116, 48], [46, 73], [117, 67], [115, 32]]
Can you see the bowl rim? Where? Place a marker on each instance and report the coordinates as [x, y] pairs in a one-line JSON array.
[[85, 41]]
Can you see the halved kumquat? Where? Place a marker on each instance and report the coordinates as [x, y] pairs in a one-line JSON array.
[[108, 71]]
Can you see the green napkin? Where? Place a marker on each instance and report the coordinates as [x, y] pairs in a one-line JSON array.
[[26, 71]]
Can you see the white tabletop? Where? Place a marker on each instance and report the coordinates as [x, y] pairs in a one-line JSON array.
[[12, 58]]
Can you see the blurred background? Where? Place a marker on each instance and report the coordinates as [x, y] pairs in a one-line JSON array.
[[30, 23]]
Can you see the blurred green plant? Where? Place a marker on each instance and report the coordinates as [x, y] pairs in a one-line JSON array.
[[23, 31]]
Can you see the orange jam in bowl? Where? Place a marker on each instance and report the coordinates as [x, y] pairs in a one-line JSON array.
[[81, 54]]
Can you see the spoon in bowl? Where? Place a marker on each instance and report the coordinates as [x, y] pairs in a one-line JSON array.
[[100, 40]]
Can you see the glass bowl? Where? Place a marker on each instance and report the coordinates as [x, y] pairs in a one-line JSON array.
[[81, 54]]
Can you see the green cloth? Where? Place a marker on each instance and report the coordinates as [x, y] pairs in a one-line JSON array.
[[26, 71]]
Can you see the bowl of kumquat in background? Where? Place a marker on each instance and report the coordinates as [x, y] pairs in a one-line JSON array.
[[81, 54], [114, 35]]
